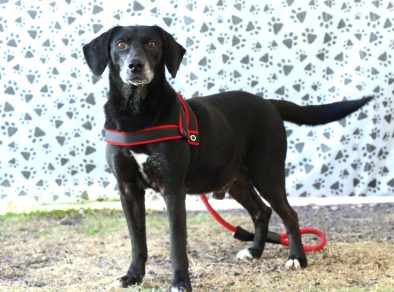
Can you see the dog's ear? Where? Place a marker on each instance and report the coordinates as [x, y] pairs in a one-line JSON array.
[[97, 52], [172, 53]]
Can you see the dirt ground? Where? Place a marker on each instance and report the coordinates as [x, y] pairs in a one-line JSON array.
[[87, 250]]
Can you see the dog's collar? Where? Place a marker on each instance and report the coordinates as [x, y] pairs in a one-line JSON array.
[[187, 128]]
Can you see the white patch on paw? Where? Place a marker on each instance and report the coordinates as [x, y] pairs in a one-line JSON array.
[[289, 264], [116, 285], [292, 264], [244, 255], [176, 289], [297, 264]]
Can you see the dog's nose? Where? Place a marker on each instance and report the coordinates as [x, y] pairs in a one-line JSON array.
[[136, 65]]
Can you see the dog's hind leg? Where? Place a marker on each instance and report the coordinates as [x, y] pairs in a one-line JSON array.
[[270, 183], [244, 193], [266, 165]]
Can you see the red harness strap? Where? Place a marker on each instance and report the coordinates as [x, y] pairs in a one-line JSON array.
[[187, 128]]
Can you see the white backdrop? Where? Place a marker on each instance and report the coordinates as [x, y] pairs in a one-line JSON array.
[[309, 52]]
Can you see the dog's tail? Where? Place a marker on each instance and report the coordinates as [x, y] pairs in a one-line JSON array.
[[317, 114]]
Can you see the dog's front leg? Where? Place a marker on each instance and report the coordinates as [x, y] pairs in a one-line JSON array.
[[134, 210], [175, 201], [133, 203]]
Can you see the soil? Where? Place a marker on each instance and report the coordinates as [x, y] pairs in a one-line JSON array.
[[87, 250]]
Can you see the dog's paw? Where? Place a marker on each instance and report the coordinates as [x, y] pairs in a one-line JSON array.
[[181, 282], [178, 289], [116, 285], [295, 264], [244, 255], [124, 282], [292, 264]]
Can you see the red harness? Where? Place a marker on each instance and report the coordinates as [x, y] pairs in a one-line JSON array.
[[187, 128]]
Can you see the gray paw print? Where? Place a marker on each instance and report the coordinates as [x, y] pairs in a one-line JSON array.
[[285, 67], [275, 25]]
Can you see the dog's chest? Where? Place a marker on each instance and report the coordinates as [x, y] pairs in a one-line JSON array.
[[150, 168], [141, 160]]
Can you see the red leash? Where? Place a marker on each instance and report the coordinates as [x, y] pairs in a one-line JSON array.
[[272, 237]]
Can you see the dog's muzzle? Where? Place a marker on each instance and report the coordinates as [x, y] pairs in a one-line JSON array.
[[136, 72]]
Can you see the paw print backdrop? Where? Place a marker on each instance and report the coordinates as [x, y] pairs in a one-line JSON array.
[[308, 52]]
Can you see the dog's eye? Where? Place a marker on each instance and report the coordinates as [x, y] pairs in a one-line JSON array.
[[152, 44], [121, 45]]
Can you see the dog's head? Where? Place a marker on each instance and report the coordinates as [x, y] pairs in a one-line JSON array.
[[134, 53]]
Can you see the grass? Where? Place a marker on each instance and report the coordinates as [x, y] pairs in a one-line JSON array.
[[86, 250]]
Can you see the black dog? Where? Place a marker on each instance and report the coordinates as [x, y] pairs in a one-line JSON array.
[[242, 145]]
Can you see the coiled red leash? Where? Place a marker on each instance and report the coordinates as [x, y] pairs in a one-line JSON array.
[[272, 237]]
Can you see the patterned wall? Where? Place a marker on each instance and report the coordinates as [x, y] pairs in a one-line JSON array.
[[309, 52]]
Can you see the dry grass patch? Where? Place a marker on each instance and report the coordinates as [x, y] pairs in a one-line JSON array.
[[39, 254]]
